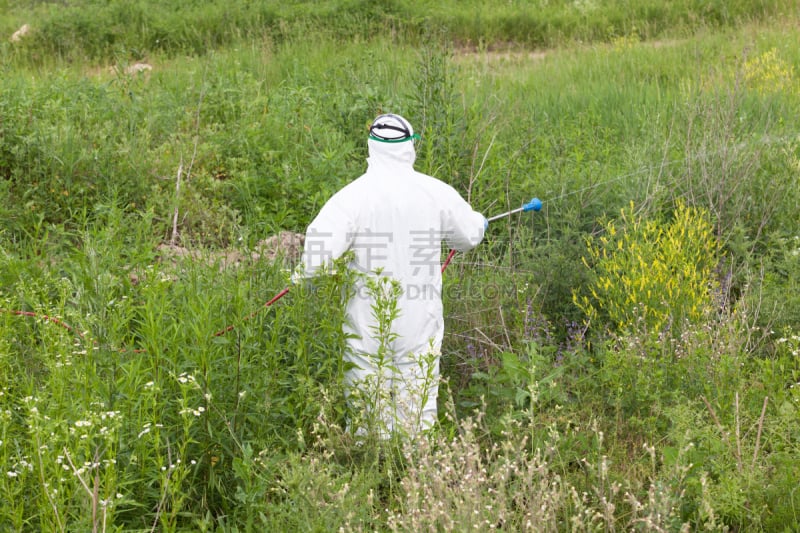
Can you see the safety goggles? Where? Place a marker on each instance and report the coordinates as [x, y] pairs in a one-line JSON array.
[[379, 125], [414, 137]]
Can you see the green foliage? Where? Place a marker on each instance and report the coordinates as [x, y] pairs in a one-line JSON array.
[[300, 493], [98, 31], [125, 403], [778, 287], [168, 406], [651, 277], [163, 141], [726, 446], [524, 382], [769, 73]]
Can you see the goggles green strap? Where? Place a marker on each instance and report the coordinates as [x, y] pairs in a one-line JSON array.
[[392, 141]]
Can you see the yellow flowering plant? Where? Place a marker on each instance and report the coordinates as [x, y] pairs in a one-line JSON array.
[[650, 275], [768, 73]]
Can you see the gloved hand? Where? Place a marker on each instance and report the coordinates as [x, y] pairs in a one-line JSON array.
[[485, 223]]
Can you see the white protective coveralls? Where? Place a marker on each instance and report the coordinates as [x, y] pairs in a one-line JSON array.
[[394, 219]]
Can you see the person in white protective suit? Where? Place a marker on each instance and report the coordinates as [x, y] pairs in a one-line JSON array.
[[394, 220]]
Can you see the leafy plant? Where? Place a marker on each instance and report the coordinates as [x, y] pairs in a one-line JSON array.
[[651, 277], [144, 386]]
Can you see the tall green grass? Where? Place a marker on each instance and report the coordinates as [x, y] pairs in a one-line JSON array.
[[106, 31], [144, 387], [144, 416]]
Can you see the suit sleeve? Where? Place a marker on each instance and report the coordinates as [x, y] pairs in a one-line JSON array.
[[328, 236], [463, 226]]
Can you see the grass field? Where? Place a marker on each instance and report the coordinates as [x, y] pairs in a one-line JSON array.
[[626, 359]]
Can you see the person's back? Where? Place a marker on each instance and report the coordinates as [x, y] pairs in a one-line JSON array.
[[394, 220]]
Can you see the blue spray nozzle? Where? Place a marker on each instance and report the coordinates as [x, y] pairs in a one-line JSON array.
[[534, 205]]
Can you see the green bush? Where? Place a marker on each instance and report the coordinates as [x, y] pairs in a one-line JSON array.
[[113, 370], [651, 278]]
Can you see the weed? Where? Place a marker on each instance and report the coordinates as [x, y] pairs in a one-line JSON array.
[[652, 279], [121, 408]]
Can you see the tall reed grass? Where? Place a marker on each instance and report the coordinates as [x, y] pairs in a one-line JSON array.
[[143, 417]]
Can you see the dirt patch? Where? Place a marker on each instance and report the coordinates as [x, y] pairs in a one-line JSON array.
[[137, 68], [511, 52], [171, 253], [285, 248], [133, 70], [24, 30], [498, 52]]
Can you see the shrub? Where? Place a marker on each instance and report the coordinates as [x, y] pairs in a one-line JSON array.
[[768, 73], [651, 276]]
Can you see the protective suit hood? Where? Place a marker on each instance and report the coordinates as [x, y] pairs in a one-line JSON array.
[[391, 142], [390, 155]]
